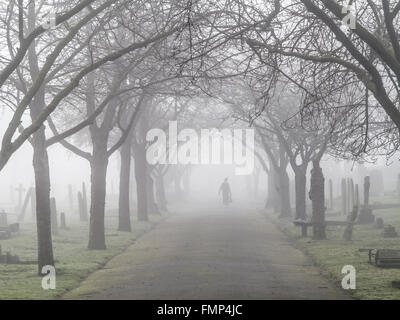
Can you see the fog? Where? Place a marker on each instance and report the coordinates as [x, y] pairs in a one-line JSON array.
[[199, 150]]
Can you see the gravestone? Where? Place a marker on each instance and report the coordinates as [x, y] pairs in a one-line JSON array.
[[3, 219], [351, 195], [379, 223], [348, 231], [389, 232], [366, 216], [330, 194], [63, 224], [344, 196], [396, 284], [54, 222], [357, 196], [377, 184]]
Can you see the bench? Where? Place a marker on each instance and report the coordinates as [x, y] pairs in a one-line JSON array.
[[305, 224], [383, 258]]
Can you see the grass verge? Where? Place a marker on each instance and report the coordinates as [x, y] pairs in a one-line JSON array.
[[74, 262], [332, 254]]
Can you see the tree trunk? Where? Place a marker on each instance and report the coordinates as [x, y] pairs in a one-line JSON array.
[[317, 196], [98, 165], [300, 186], [284, 194], [40, 161], [42, 189], [140, 177], [151, 204], [124, 222], [177, 185], [273, 196]]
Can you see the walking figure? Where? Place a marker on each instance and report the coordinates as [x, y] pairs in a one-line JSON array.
[[226, 192]]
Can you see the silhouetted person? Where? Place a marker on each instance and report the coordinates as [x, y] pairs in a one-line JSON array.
[[226, 192]]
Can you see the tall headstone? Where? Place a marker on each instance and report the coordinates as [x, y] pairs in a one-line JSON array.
[[348, 231], [344, 196], [54, 220], [3, 219], [348, 198], [351, 195], [357, 197], [367, 185], [377, 183], [330, 194], [366, 215]]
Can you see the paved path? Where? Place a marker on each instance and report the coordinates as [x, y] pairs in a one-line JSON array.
[[223, 254]]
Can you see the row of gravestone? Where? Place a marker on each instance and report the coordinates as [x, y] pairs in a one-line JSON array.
[[30, 197], [365, 215], [350, 199], [7, 230]]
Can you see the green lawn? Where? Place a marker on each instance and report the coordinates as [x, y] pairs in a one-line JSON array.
[[73, 261], [332, 254]]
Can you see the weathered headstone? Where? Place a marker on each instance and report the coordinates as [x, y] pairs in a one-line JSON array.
[[357, 196], [348, 231], [379, 223], [366, 215], [352, 200], [3, 219], [377, 183], [348, 187], [54, 220], [344, 197]]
